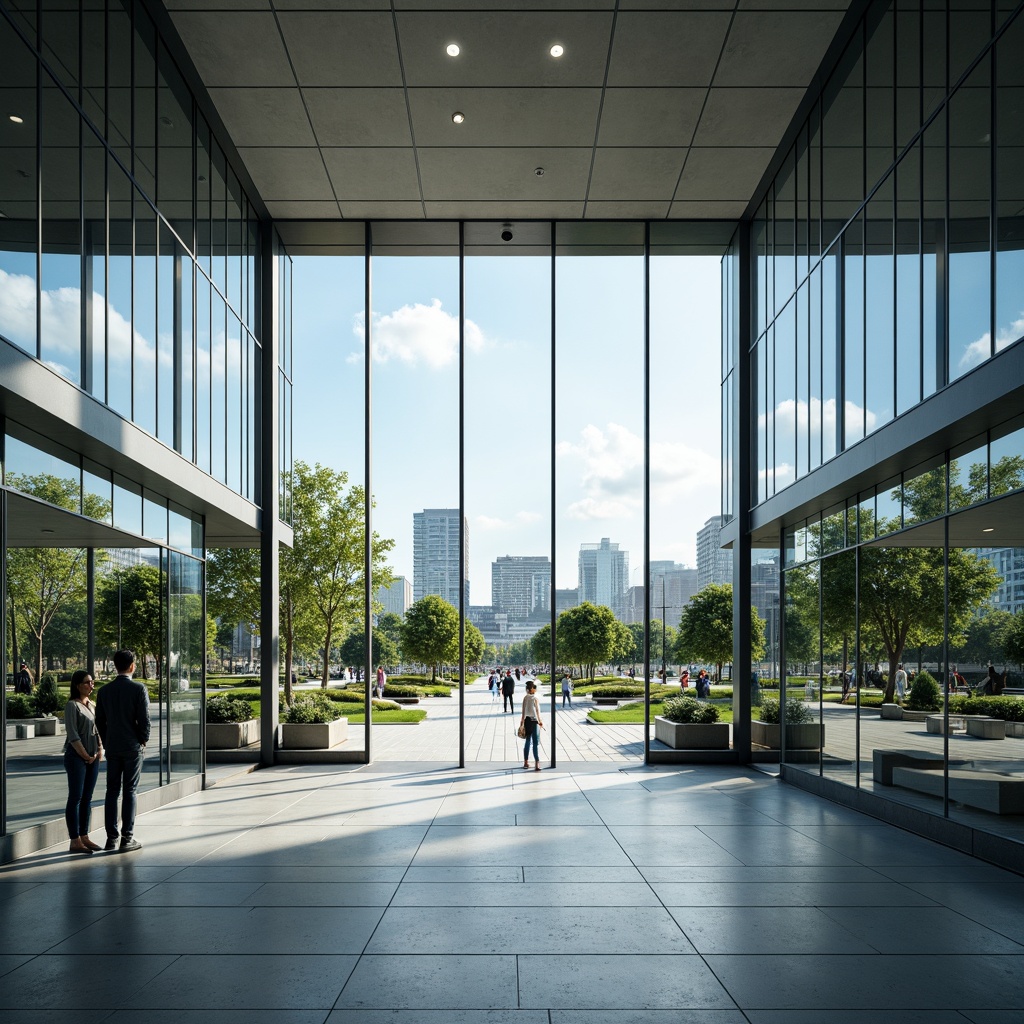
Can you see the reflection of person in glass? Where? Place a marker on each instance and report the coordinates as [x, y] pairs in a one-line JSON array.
[[82, 753], [122, 718], [23, 681]]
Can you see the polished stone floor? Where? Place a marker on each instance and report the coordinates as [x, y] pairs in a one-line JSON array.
[[591, 894]]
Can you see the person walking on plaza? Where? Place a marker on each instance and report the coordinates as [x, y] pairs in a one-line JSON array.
[[901, 683], [82, 754], [508, 687], [566, 689], [382, 678], [530, 721], [23, 680], [122, 720]]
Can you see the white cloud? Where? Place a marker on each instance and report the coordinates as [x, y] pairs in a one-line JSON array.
[[978, 351], [523, 518], [808, 414], [489, 523], [1006, 336], [416, 334], [611, 472]]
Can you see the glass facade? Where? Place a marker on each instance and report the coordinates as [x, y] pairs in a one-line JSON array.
[[886, 252], [129, 259]]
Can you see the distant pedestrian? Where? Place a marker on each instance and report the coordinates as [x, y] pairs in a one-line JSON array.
[[703, 684], [901, 683], [530, 721], [508, 687], [566, 689], [684, 679], [23, 680], [382, 678], [122, 720]]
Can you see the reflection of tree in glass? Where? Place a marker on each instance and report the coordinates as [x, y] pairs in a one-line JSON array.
[[129, 612], [41, 580]]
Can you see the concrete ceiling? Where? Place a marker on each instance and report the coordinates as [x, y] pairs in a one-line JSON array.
[[342, 109]]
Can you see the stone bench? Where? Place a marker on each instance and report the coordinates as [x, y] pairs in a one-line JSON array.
[[893, 712], [986, 728], [936, 723], [884, 761], [24, 730], [998, 794]]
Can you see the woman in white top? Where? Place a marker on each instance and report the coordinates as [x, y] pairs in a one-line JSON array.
[[530, 720], [82, 753]]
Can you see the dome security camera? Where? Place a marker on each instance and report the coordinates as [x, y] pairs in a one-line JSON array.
[[506, 233]]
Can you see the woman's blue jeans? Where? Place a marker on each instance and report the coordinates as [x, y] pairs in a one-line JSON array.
[[532, 733], [81, 783]]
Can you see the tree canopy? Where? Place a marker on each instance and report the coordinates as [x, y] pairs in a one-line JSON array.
[[431, 627], [588, 635], [705, 628]]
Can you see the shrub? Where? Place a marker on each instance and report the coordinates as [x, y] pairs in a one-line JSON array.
[[620, 690], [347, 696], [47, 698], [386, 705], [402, 690], [223, 709], [925, 694], [1010, 709], [313, 707], [689, 709], [20, 705], [797, 712]]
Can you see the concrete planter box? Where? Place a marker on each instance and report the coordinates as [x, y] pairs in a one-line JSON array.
[[313, 735], [46, 726], [222, 735], [805, 736], [1015, 729], [692, 735]]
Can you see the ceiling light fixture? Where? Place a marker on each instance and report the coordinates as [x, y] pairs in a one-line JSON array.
[[557, 50], [16, 119], [453, 49], [458, 117], [539, 171], [988, 529], [47, 531]]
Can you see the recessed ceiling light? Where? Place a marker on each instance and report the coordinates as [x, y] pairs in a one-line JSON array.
[[16, 119], [988, 529], [539, 171], [458, 117], [47, 531], [557, 50], [453, 50]]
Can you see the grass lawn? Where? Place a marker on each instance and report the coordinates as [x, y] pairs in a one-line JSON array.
[[635, 713], [358, 716]]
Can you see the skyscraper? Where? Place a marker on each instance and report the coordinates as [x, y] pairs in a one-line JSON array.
[[521, 586], [714, 565], [604, 575], [435, 554]]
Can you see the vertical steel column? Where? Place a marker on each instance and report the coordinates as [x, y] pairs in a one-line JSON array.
[[744, 471], [90, 611], [3, 637], [270, 482], [368, 478], [554, 532], [462, 494], [945, 667], [647, 497]]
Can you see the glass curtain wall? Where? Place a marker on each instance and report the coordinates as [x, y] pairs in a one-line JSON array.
[[918, 591], [107, 275]]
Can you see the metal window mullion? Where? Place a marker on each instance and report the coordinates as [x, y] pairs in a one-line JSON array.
[[647, 496], [551, 512], [368, 475], [462, 494]]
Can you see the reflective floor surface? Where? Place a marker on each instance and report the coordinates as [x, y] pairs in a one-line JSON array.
[[416, 894]]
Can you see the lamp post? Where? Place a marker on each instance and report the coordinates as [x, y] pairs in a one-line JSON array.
[[663, 676]]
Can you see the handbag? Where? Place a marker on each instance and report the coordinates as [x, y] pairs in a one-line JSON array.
[[521, 731]]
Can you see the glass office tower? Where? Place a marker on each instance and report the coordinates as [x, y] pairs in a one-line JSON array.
[[871, 397]]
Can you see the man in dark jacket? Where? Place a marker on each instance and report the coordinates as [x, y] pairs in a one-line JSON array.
[[122, 720], [23, 680], [508, 686]]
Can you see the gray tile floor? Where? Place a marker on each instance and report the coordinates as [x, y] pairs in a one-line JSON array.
[[593, 894]]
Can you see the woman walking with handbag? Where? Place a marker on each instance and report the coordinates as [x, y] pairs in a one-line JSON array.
[[530, 725]]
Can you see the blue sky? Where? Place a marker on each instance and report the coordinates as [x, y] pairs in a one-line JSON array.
[[598, 410]]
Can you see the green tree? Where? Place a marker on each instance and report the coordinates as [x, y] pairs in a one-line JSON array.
[[329, 525], [540, 645], [431, 627], [588, 635], [635, 652], [41, 579], [1013, 639], [67, 638], [384, 650], [705, 628], [129, 612], [986, 636]]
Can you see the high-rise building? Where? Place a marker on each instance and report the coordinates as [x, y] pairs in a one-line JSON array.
[[714, 564], [1009, 564], [604, 575], [397, 598], [521, 586], [566, 598], [435, 554]]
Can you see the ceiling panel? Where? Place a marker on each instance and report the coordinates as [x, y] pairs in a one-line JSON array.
[[235, 48], [366, 89], [505, 117], [337, 48], [507, 48], [504, 174], [650, 117], [377, 174], [247, 112], [359, 117]]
